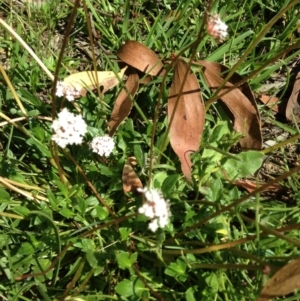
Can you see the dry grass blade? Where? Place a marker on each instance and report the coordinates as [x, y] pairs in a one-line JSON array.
[[285, 281], [141, 57], [241, 104], [129, 178], [123, 103], [186, 113], [293, 105]]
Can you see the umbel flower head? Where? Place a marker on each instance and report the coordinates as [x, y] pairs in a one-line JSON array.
[[69, 128], [216, 28], [64, 89], [103, 146], [155, 208]]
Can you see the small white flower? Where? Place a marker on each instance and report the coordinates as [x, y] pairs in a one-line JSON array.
[[216, 28], [153, 226], [155, 208], [103, 146], [59, 89], [64, 89], [68, 128]]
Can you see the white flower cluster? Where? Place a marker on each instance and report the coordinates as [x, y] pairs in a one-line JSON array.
[[155, 208], [69, 128], [216, 28], [103, 146], [64, 89]]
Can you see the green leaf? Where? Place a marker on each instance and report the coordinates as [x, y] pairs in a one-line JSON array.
[[81, 205], [212, 281], [125, 288], [100, 212], [23, 211], [132, 287], [52, 200], [189, 294], [125, 232], [138, 285], [30, 98], [106, 171], [159, 178], [4, 239], [91, 259], [189, 211], [220, 130], [215, 191], [177, 270], [42, 265], [4, 195], [218, 54], [139, 154], [169, 183], [26, 249], [248, 163], [86, 245], [66, 212], [125, 260], [40, 147]]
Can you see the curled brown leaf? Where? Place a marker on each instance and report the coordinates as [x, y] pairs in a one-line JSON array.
[[186, 113], [240, 102], [130, 180], [293, 105], [141, 57], [285, 281], [123, 103]]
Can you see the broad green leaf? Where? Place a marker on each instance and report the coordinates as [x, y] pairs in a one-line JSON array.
[[41, 266], [23, 211], [125, 288], [90, 257], [212, 281], [125, 260], [138, 154], [81, 205], [100, 212], [132, 287], [40, 146], [219, 131], [169, 183], [52, 200], [159, 178], [215, 191], [249, 162], [66, 212], [189, 294], [125, 232], [4, 195], [177, 270], [26, 249]]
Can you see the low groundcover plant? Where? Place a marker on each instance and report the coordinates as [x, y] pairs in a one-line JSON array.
[[143, 178]]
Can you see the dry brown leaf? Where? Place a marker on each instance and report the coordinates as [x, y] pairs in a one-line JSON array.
[[123, 103], [293, 105], [251, 186], [129, 178], [285, 281], [81, 81], [188, 122], [241, 103], [269, 101], [141, 57]]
